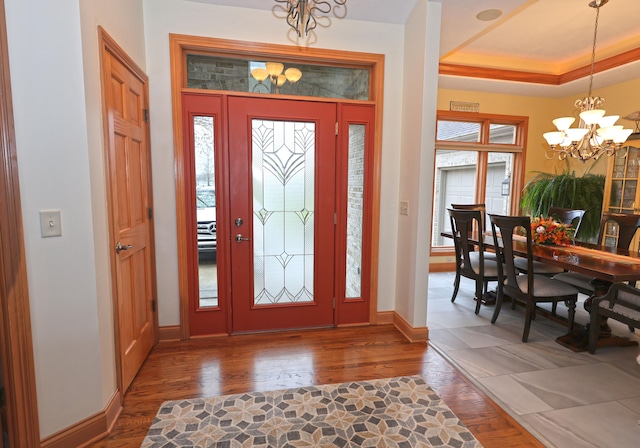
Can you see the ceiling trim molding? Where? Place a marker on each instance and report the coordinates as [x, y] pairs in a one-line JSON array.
[[539, 78], [470, 71], [601, 66]]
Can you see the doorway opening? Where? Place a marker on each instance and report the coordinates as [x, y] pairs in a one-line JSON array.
[[286, 210]]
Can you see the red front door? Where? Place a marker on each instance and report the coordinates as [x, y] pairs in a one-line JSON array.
[[282, 209]]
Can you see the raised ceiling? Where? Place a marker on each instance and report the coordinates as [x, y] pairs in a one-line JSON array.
[[542, 46]]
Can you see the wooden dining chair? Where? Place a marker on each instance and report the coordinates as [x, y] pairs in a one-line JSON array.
[[565, 216], [627, 226], [571, 216], [481, 207], [470, 258], [529, 288], [621, 303], [483, 223]]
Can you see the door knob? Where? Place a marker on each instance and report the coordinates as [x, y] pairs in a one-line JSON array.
[[120, 247], [240, 238]]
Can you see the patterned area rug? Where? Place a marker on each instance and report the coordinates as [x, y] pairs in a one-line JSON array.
[[396, 412]]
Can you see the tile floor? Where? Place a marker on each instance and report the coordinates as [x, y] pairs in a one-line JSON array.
[[566, 399]]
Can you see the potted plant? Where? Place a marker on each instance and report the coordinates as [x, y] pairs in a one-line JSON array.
[[566, 190]]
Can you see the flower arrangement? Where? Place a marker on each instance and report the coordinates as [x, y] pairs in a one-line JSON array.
[[547, 231]]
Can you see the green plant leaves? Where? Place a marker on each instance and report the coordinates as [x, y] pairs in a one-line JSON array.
[[566, 190]]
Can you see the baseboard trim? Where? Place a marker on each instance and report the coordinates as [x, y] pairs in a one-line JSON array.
[[384, 318], [169, 333], [89, 430], [419, 334]]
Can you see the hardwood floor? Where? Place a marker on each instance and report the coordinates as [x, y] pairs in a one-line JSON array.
[[268, 361]]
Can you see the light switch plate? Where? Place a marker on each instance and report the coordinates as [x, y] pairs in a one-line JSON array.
[[404, 207], [50, 224]]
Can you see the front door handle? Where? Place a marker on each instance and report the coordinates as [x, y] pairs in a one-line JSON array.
[[240, 238], [120, 247]]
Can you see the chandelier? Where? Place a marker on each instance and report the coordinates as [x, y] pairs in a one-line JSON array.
[[275, 72], [597, 134], [302, 14]]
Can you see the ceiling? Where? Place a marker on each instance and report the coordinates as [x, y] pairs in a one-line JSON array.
[[538, 40]]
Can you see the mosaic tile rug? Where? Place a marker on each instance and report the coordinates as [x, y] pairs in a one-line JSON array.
[[395, 412]]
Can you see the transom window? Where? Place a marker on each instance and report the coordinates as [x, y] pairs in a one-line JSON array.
[[210, 72], [479, 159]]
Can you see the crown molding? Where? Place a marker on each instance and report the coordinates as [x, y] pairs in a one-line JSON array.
[[539, 78]]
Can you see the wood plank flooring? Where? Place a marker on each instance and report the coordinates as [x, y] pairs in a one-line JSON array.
[[268, 361]]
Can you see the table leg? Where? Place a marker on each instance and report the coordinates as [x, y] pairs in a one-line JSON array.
[[578, 339], [489, 298]]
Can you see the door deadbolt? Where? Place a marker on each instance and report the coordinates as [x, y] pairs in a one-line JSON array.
[[239, 222]]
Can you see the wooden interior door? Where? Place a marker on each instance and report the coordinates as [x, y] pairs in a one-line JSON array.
[[282, 213], [130, 209]]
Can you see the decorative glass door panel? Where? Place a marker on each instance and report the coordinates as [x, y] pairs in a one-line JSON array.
[[282, 203], [621, 194], [283, 171], [624, 183]]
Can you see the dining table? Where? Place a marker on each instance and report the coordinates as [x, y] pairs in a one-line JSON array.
[[606, 265]]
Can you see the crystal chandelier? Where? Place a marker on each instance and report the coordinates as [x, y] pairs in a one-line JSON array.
[[597, 134], [302, 14]]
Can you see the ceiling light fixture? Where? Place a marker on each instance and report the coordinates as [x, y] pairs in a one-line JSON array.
[[302, 14], [597, 134], [274, 72]]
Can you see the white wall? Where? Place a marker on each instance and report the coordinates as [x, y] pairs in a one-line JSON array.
[[57, 149], [184, 17], [51, 139], [422, 37]]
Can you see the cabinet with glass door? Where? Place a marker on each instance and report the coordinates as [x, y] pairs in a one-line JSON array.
[[621, 192]]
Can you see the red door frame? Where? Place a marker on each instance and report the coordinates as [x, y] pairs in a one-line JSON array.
[[348, 311], [354, 310], [209, 320]]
